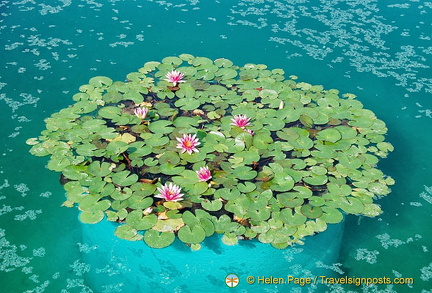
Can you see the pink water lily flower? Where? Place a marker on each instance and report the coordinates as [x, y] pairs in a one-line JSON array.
[[141, 113], [240, 120], [170, 192], [251, 132], [203, 174], [188, 143], [175, 77]]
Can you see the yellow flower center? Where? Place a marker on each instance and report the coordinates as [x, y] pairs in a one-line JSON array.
[[188, 144]]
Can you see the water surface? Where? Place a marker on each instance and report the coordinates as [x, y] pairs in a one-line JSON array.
[[379, 51]]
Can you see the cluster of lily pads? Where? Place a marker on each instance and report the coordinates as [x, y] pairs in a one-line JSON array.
[[188, 147]]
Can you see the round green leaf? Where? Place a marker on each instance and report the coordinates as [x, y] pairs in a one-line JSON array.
[[99, 81], [244, 173], [310, 211], [230, 239], [192, 235], [292, 218], [351, 205], [99, 169], [211, 205], [329, 134], [124, 178], [126, 232], [91, 217], [331, 215], [157, 239], [138, 221], [161, 126]]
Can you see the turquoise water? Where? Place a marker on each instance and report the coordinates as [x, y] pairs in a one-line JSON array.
[[380, 51], [178, 269]]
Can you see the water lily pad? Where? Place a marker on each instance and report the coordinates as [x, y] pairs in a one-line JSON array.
[[229, 239], [190, 219], [192, 235], [316, 179], [248, 157], [138, 202], [244, 173], [58, 163], [289, 200], [121, 194], [188, 104], [351, 205], [156, 239], [149, 66], [331, 215], [319, 170], [91, 217], [117, 147], [214, 205], [138, 221], [208, 226], [168, 225], [306, 120], [112, 96], [378, 188], [75, 172], [329, 134], [303, 142], [317, 201], [227, 194], [161, 126], [124, 178], [157, 140], [216, 90], [223, 62], [246, 187], [201, 61], [92, 203], [259, 215], [100, 169], [346, 131], [310, 211], [199, 188], [261, 140], [273, 124], [126, 232], [362, 122], [292, 218], [172, 60], [186, 177], [170, 169], [261, 227], [371, 210]]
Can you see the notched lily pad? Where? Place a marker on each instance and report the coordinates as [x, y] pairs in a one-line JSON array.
[[124, 178], [192, 235], [126, 232], [156, 239], [329, 134], [310, 211], [91, 217]]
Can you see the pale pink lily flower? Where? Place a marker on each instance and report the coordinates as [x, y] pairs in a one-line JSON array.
[[250, 131], [170, 192], [203, 174], [175, 77], [188, 143], [141, 113], [240, 120]]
